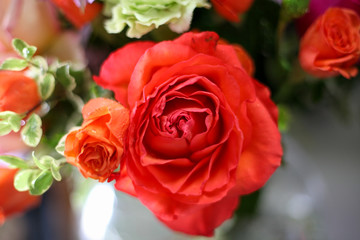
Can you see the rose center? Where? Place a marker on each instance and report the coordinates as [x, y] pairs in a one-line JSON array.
[[95, 158], [340, 37], [178, 124]]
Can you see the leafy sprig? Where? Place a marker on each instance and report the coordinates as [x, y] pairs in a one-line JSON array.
[[37, 174]]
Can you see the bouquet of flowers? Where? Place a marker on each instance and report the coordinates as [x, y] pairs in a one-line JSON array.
[[179, 103]]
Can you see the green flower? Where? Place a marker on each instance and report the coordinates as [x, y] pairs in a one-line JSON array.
[[142, 16]]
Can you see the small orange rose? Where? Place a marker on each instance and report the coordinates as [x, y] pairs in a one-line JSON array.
[[18, 93], [331, 45], [97, 147]]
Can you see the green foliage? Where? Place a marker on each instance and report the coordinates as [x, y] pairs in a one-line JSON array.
[[32, 132], [284, 118], [23, 49], [294, 8], [14, 64], [22, 180], [40, 183], [35, 176], [14, 162], [63, 75], [9, 121], [47, 85]]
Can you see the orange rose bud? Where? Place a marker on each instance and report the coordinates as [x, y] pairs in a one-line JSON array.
[[11, 200], [230, 9], [18, 93], [75, 15], [331, 45], [97, 147]]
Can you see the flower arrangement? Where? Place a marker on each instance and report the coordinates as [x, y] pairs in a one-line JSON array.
[[186, 117]]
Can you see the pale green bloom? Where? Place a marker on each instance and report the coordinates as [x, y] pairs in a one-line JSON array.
[[142, 16]]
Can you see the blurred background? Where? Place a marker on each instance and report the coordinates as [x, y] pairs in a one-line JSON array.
[[314, 195]]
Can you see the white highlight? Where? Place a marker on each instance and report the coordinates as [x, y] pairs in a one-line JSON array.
[[97, 212]]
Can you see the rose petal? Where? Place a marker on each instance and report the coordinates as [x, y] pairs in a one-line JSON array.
[[116, 71], [202, 220], [261, 157]]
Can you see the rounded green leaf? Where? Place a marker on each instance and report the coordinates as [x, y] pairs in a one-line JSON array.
[[5, 115], [14, 64], [40, 64], [38, 163], [32, 132], [23, 49], [64, 77], [55, 172], [5, 128], [41, 183], [47, 86], [22, 179], [47, 161], [15, 162], [15, 122]]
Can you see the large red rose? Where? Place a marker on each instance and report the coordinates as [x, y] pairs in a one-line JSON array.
[[331, 45], [230, 9], [11, 200], [202, 132]]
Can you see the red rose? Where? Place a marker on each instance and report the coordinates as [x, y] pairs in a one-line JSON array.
[[202, 132], [331, 45], [230, 9], [75, 15], [11, 200], [97, 147], [18, 93]]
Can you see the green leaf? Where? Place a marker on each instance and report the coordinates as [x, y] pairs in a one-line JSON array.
[[15, 162], [63, 76], [23, 49], [55, 172], [294, 8], [5, 115], [40, 164], [284, 118], [47, 86], [10, 120], [41, 183], [15, 122], [40, 63], [22, 180], [60, 147], [32, 132], [14, 64], [5, 128]]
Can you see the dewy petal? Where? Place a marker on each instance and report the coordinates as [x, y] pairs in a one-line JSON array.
[[116, 71], [98, 107]]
